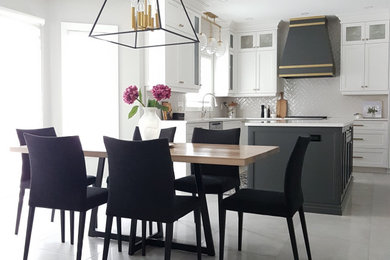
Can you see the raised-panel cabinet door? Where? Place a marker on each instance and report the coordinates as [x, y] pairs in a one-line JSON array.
[[246, 72], [353, 68], [377, 32], [377, 66], [267, 73], [186, 65], [353, 33]]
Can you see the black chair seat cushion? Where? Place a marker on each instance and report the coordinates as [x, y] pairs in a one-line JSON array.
[[91, 180], [184, 205], [259, 202], [95, 197], [212, 184]]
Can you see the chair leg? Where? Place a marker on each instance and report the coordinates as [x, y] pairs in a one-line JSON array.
[[19, 211], [222, 223], [133, 232], [168, 240], [160, 230], [71, 217], [150, 228], [198, 233], [143, 237], [292, 237], [240, 220], [107, 236], [81, 235], [53, 212], [62, 226], [305, 235], [119, 232], [29, 230]]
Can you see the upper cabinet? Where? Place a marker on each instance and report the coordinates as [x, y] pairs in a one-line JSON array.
[[177, 66], [365, 58], [370, 32], [257, 64]]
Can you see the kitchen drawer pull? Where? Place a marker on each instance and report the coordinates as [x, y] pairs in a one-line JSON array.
[[358, 139], [359, 125], [181, 82], [181, 25], [357, 157]]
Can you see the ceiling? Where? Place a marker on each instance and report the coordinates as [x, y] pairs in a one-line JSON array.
[[244, 11]]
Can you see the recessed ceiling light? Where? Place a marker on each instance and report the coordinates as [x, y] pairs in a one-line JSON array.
[[305, 13], [249, 18], [369, 7]]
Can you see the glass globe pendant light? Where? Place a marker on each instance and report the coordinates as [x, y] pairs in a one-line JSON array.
[[202, 41], [221, 48]]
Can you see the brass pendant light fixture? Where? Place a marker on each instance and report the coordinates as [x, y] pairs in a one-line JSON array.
[[213, 46], [146, 24]]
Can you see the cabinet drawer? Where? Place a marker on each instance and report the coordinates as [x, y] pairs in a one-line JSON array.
[[370, 158], [372, 125], [370, 140]]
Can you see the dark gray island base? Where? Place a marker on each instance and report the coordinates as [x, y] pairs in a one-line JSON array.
[[327, 168]]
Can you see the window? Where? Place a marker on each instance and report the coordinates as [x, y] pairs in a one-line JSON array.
[[194, 100], [21, 85], [89, 84]]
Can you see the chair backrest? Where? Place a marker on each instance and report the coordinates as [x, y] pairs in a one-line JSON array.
[[167, 133], [205, 136], [58, 175], [292, 179], [141, 179], [25, 157]]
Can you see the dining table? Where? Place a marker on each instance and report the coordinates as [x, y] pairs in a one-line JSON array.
[[195, 153]]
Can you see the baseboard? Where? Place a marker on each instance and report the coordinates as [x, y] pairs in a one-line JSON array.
[[371, 169]]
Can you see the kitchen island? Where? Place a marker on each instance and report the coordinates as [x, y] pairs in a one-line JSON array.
[[327, 168]]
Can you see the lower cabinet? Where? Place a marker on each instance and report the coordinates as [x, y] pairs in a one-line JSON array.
[[327, 167], [370, 143]]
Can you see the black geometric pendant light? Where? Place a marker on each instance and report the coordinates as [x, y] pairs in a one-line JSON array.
[[149, 23]]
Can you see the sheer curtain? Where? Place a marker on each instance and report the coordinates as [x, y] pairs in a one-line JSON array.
[[21, 86]]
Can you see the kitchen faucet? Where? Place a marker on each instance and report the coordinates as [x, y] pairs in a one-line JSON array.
[[203, 113]]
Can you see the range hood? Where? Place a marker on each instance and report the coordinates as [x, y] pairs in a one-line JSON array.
[[307, 52]]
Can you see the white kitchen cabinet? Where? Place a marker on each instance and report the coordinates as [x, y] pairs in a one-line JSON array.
[[177, 66], [365, 59], [265, 40], [370, 143], [246, 72], [370, 32]]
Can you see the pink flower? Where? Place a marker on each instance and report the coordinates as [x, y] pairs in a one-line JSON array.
[[161, 91], [130, 95]]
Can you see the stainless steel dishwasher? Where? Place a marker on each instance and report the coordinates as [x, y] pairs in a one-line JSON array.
[[216, 125]]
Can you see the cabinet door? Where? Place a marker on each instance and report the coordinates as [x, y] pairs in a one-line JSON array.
[[266, 40], [246, 72], [377, 67], [352, 66], [186, 65], [353, 33], [377, 32], [266, 68], [177, 19], [247, 41]]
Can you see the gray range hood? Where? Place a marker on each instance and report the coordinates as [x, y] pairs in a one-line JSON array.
[[307, 52]]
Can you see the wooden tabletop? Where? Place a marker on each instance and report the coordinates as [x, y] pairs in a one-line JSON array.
[[237, 155]]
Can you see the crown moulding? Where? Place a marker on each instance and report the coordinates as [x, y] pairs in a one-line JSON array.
[[367, 16]]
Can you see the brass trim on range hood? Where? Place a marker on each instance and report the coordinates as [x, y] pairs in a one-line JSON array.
[[308, 18], [306, 24], [306, 66], [306, 75]]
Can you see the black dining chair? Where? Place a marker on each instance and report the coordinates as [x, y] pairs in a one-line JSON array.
[[59, 181], [26, 179], [141, 187], [217, 179], [167, 133], [279, 204]]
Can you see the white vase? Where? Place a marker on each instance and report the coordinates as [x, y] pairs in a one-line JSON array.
[[149, 124]]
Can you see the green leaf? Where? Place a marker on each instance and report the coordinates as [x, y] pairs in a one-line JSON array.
[[164, 108], [152, 103], [133, 111]]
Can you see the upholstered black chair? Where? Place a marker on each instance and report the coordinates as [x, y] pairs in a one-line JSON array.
[[217, 179], [141, 187], [59, 181], [167, 133], [25, 180], [280, 204]]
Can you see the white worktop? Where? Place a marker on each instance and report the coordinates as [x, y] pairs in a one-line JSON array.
[[330, 122]]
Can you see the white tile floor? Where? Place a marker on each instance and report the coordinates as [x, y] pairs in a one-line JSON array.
[[362, 233]]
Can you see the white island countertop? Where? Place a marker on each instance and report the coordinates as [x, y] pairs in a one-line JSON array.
[[329, 122]]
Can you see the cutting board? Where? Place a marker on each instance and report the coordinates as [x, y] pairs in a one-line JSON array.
[[281, 106]]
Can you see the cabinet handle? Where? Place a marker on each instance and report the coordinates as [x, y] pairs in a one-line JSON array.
[[359, 125], [181, 82], [357, 157], [181, 25], [358, 139]]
